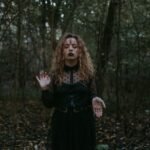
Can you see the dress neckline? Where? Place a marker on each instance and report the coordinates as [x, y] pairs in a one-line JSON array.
[[71, 68]]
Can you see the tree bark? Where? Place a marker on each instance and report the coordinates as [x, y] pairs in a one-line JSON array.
[[104, 45], [43, 33]]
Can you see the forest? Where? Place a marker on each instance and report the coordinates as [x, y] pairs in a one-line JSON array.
[[117, 35]]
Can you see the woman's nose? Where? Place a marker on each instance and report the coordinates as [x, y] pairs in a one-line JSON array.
[[70, 48]]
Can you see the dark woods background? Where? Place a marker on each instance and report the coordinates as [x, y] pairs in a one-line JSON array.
[[117, 34]]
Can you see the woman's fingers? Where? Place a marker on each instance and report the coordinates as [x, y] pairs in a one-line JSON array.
[[37, 78], [99, 100], [43, 79], [103, 104], [98, 112], [43, 74], [48, 78]]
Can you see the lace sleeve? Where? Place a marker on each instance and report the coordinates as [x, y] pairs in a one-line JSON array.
[[93, 90], [48, 95]]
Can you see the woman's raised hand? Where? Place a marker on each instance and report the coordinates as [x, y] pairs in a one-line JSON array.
[[43, 80]]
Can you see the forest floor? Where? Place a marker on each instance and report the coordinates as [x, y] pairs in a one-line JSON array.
[[25, 126]]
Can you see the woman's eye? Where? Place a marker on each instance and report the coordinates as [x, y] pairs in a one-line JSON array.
[[74, 46], [66, 46]]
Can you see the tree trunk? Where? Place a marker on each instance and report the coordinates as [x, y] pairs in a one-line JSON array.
[[118, 65], [104, 45], [20, 70], [43, 33]]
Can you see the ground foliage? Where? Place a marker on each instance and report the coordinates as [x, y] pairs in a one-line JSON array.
[[24, 127]]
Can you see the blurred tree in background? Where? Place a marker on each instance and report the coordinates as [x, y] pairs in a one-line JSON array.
[[116, 32]]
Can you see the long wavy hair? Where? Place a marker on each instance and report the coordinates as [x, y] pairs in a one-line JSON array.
[[86, 68]]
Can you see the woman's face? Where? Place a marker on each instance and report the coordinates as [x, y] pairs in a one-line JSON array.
[[70, 49]]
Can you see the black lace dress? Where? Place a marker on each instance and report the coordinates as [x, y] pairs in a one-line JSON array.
[[73, 121]]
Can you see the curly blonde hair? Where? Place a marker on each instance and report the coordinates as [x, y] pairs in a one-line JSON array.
[[86, 68]]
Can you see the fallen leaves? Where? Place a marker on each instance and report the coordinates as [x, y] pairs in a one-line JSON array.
[[26, 128]]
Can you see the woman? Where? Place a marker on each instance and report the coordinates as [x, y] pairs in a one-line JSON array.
[[70, 89]]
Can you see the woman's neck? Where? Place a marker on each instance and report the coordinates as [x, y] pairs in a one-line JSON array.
[[71, 63]]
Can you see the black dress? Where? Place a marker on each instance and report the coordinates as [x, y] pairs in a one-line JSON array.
[[73, 121]]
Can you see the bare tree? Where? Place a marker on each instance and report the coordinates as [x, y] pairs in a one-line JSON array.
[[104, 44]]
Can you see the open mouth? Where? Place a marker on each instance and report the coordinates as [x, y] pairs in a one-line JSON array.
[[70, 54]]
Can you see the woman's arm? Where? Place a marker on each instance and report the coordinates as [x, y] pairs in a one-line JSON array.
[[97, 103], [47, 86], [47, 98]]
